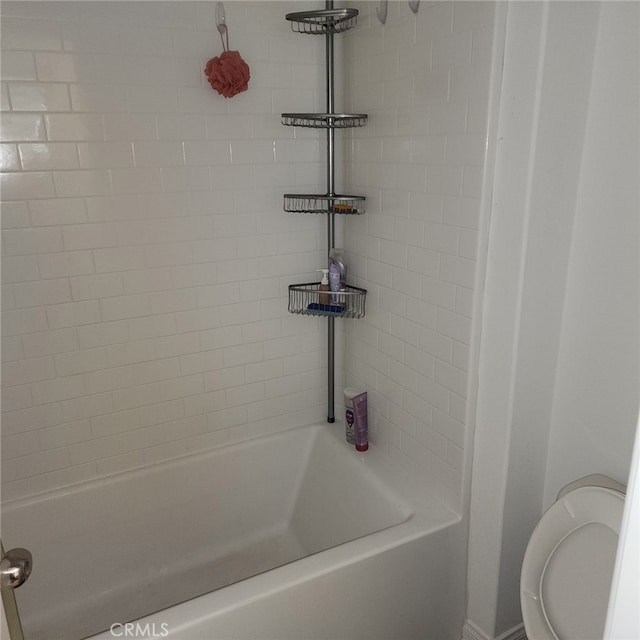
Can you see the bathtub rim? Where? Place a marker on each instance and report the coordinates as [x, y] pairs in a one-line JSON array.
[[122, 475], [374, 459]]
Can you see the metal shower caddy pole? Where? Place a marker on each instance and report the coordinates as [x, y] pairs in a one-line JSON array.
[[304, 298]]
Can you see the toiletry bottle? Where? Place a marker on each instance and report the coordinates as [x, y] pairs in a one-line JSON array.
[[337, 273], [349, 419], [360, 425], [324, 298]]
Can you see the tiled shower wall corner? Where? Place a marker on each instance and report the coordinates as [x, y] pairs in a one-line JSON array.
[[145, 254], [424, 81]]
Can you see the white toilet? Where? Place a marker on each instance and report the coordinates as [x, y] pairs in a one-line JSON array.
[[568, 564]]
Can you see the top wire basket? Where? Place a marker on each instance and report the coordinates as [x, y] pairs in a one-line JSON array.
[[323, 21]]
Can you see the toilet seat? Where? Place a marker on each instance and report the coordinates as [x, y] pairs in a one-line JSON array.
[[568, 566]]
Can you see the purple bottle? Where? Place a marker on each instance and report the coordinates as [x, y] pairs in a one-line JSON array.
[[360, 426]]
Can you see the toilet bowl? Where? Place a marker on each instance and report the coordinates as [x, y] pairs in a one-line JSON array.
[[568, 565]]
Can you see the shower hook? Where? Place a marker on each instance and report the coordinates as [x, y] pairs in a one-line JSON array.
[[413, 5], [381, 11], [221, 23]]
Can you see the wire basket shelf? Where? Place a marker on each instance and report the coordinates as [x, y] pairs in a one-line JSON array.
[[307, 299], [324, 120], [311, 203], [323, 21]]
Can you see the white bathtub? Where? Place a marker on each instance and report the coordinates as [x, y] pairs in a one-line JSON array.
[[343, 545]]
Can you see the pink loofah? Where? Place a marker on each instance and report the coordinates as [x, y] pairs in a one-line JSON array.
[[228, 74]]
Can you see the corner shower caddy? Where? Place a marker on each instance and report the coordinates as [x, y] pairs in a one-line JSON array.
[[305, 298]]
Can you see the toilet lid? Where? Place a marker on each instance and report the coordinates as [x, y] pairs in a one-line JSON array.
[[568, 566]]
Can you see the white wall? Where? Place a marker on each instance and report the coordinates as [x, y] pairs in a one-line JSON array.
[[145, 254], [424, 81], [560, 324], [596, 391]]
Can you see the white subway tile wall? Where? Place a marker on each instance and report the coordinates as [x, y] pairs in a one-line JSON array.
[[424, 81], [145, 253]]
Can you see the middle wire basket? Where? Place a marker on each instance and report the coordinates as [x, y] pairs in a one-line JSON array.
[[307, 299], [314, 203]]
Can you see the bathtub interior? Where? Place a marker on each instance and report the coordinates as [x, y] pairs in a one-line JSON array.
[[118, 549]]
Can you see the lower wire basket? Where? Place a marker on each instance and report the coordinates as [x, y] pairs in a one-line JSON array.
[[307, 299]]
